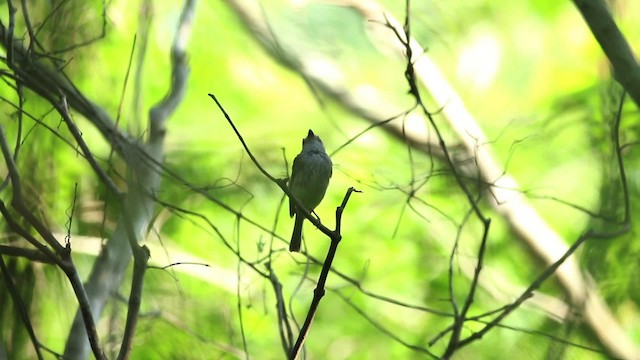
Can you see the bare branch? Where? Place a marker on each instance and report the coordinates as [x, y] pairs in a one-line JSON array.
[[319, 291]]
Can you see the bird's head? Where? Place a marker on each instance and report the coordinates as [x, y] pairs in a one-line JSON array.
[[312, 143]]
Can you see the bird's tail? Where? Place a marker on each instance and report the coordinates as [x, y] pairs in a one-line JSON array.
[[296, 237]]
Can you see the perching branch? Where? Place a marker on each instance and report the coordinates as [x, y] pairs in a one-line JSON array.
[[319, 291]]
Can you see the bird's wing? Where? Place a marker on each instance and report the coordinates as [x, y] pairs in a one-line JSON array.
[[295, 170]]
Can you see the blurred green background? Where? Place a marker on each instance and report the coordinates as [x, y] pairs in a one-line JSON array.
[[530, 72]]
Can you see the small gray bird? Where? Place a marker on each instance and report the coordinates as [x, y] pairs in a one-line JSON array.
[[310, 175]]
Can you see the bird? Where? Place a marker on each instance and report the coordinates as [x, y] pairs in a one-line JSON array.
[[310, 175]]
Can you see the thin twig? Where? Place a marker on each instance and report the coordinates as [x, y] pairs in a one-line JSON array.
[[384, 330], [286, 335]]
